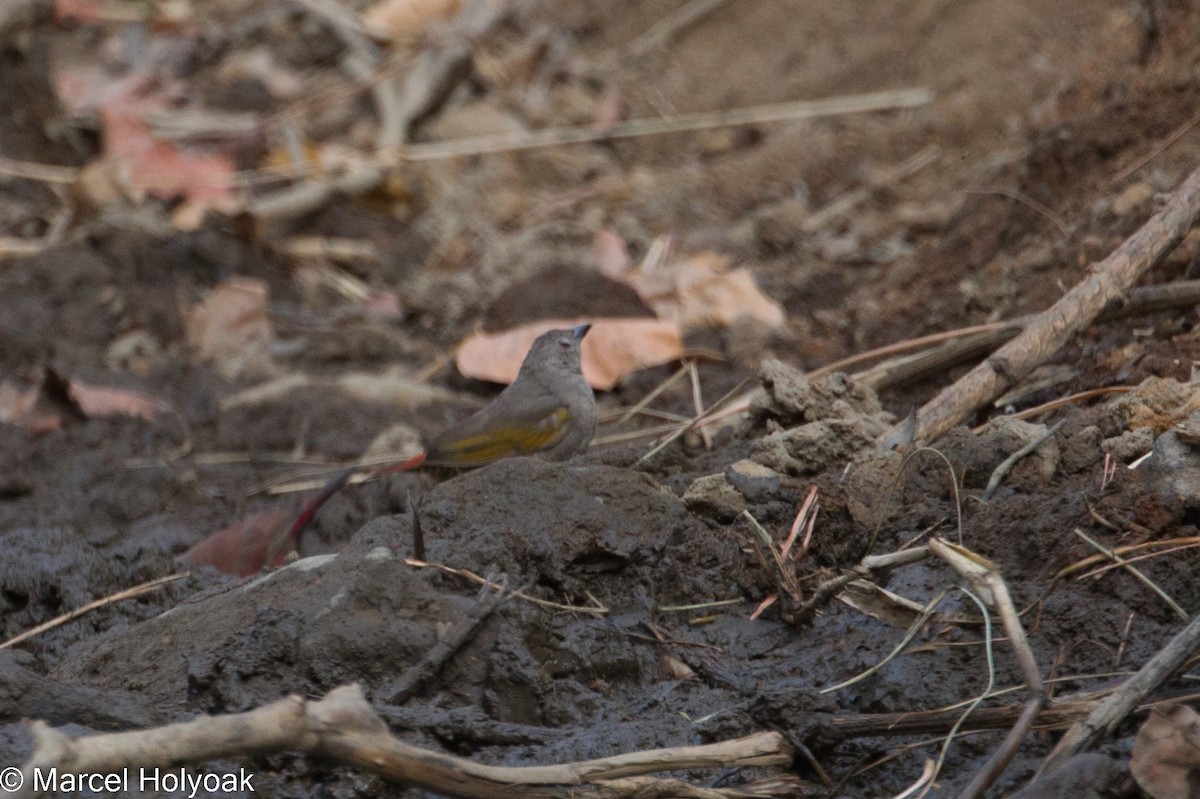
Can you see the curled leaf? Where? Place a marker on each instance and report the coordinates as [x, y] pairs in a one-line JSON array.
[[244, 547]]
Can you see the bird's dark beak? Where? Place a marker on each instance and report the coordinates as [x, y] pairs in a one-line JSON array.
[[580, 332]]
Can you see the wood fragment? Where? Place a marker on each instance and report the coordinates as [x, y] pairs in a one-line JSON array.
[[342, 727], [414, 678]]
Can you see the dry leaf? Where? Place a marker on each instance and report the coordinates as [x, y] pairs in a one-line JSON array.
[[57, 401], [135, 160], [243, 547], [230, 328], [100, 401], [610, 255], [398, 19], [702, 291], [1166, 754], [612, 349]]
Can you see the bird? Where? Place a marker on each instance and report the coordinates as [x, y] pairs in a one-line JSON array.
[[549, 410]]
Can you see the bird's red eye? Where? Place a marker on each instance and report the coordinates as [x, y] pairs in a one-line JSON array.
[[564, 343]]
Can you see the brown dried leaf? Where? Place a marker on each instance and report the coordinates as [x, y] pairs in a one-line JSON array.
[[702, 291], [57, 401], [135, 162], [99, 401], [398, 19], [243, 547], [612, 349], [610, 255], [230, 328], [1166, 754]]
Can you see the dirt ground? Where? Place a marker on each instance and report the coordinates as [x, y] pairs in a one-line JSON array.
[[1058, 128]]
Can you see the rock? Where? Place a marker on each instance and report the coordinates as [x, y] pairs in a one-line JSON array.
[[755, 482], [816, 446], [1130, 445], [1083, 449], [713, 495], [976, 456], [1175, 467], [790, 397]]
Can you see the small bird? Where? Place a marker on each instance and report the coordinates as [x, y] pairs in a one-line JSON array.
[[549, 410]]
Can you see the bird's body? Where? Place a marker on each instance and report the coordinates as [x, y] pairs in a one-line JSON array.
[[549, 410]]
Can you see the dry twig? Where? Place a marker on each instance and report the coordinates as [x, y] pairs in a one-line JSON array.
[[343, 728], [1105, 717], [1108, 280]]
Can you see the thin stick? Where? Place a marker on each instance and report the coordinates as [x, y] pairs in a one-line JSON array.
[[128, 593], [1072, 399], [1113, 710], [1106, 281], [1027, 201], [905, 346], [679, 123], [679, 374], [719, 603], [698, 401], [446, 646], [991, 683], [1006, 465], [343, 728], [1135, 572], [918, 624], [1167, 142], [709, 416], [598, 610], [670, 25]]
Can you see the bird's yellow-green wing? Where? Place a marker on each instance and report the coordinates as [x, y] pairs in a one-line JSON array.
[[475, 443]]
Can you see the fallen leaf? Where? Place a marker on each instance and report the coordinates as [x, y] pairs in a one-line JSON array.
[[55, 402], [1166, 753], [702, 291], [612, 349], [79, 10], [398, 19], [162, 169], [137, 162], [610, 255], [699, 290], [243, 548], [100, 401], [230, 328]]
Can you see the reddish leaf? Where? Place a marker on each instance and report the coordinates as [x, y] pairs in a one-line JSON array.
[[230, 327], [56, 401], [243, 547]]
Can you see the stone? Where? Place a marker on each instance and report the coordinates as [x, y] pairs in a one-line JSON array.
[[755, 482]]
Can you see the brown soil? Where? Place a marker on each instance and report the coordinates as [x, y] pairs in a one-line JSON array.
[[1039, 110]]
